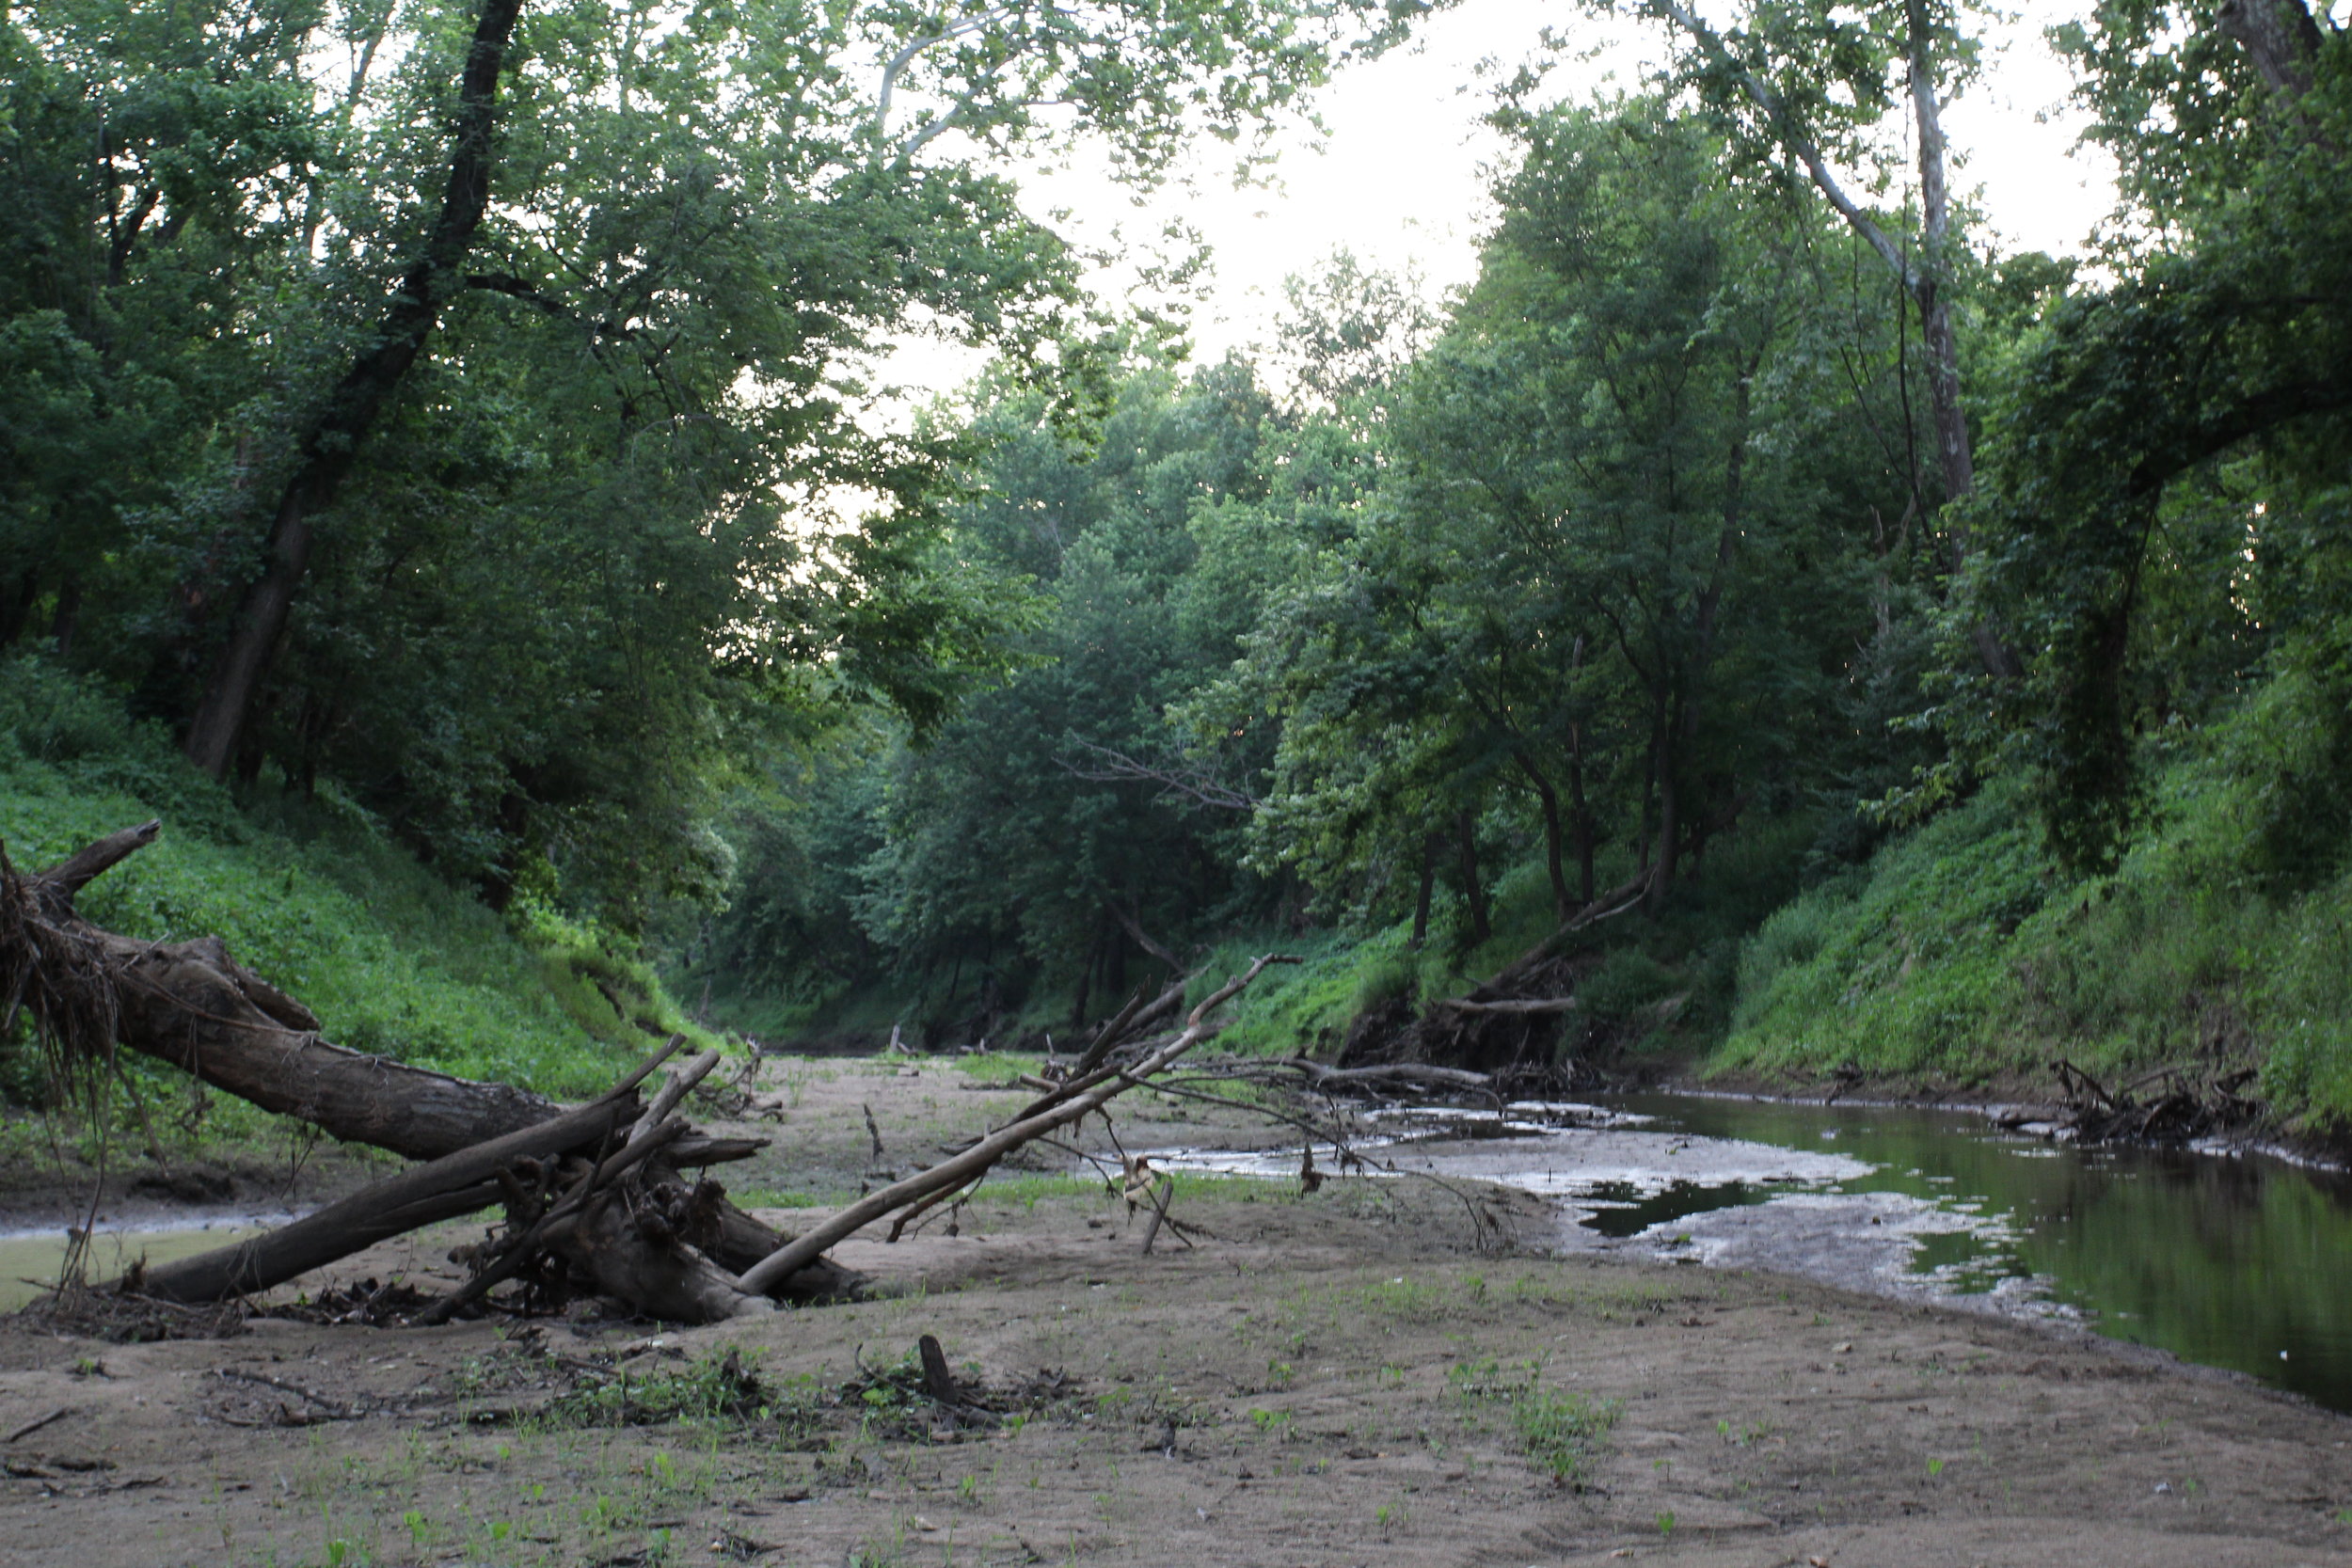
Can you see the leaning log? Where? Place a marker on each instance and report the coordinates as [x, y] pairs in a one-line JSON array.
[[1073, 1102], [191, 1004], [444, 1189]]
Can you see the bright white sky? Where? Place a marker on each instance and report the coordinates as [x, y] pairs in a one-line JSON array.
[[1401, 177]]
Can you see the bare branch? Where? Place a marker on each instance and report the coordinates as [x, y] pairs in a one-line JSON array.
[[1791, 134], [1083, 1100], [1194, 784]]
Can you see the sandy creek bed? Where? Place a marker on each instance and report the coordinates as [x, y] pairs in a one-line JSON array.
[[1330, 1379]]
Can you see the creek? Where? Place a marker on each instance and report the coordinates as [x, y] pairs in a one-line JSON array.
[[29, 1259], [2236, 1260]]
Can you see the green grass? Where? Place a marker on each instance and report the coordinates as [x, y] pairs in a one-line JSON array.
[[1559, 1429], [1962, 952], [315, 897]]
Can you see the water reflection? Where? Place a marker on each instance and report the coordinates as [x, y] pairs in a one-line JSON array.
[[1624, 1209], [2235, 1262]]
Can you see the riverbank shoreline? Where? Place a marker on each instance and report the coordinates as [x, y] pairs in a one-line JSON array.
[[2308, 1151], [1355, 1374]]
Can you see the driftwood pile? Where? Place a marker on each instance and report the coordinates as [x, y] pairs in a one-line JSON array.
[[593, 1196], [2170, 1105]]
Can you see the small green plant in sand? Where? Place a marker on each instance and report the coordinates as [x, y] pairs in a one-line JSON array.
[[1557, 1429]]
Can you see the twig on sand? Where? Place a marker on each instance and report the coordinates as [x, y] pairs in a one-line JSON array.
[[38, 1423]]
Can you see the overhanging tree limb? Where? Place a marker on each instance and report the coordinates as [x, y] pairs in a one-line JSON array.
[[1791, 134]]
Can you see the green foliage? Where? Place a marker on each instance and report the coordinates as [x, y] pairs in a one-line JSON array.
[[1626, 982], [630, 521], [718, 1387], [1305, 1009], [1965, 951], [955, 879], [2164, 474], [1559, 1430], [1891, 973], [310, 895]]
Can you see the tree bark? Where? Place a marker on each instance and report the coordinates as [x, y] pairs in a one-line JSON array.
[[680, 1284], [1954, 453], [2279, 35], [1086, 986], [16, 609], [1669, 805], [1131, 920], [331, 446], [444, 1189], [69, 617], [1581, 811], [1428, 886], [189, 1003], [1473, 894], [1555, 837]]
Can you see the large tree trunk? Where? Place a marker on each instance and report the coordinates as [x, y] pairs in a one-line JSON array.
[[189, 1003], [1669, 807], [1954, 452], [1473, 891], [1580, 809], [331, 446], [1422, 895], [192, 1006], [2280, 37], [1923, 276], [1555, 836], [444, 1189]]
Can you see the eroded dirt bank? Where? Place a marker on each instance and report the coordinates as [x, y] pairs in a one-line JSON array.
[[1333, 1378]]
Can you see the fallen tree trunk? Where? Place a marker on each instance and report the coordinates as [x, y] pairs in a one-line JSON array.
[[1321, 1077], [444, 1189], [191, 1004]]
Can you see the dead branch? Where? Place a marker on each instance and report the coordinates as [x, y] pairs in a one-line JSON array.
[[672, 1092], [524, 1247], [443, 1189], [38, 1423], [1130, 921], [79, 869], [1484, 1226], [189, 1003], [1082, 1098], [1194, 784], [1621, 899], [1131, 1018], [1319, 1076]]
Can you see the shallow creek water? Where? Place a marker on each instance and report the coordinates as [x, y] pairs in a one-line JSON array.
[[29, 1260], [2242, 1262]]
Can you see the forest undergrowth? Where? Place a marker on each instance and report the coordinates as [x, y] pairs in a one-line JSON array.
[[316, 897]]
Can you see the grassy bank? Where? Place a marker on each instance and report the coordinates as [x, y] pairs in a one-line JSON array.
[[1964, 953], [315, 897]]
